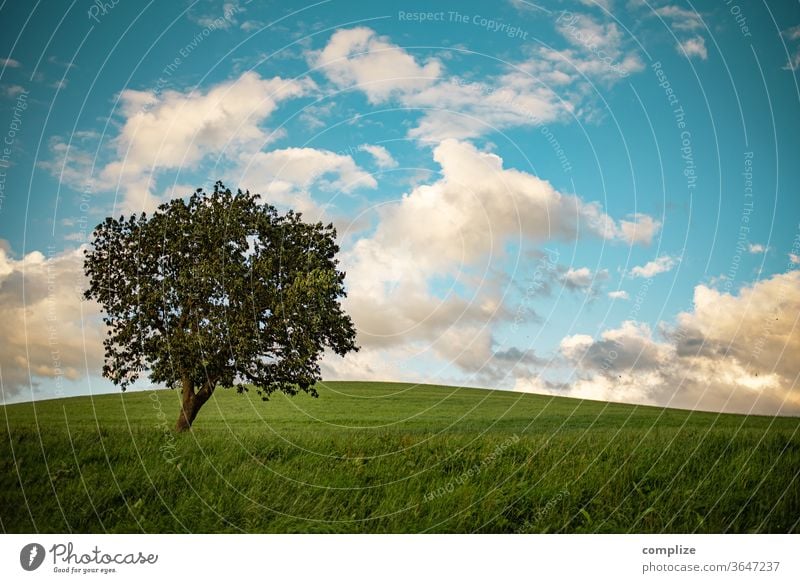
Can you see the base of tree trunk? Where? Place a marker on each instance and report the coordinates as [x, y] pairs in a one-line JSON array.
[[190, 404], [183, 424]]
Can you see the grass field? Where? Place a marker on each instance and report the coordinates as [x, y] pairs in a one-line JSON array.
[[380, 457]]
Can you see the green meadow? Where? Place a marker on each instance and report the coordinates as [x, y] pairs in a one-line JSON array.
[[393, 458]]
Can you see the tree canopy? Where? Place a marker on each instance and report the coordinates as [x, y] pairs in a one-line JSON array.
[[218, 290]]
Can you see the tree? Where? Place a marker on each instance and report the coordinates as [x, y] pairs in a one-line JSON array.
[[219, 290]]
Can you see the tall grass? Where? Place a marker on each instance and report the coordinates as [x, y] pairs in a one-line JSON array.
[[379, 457]]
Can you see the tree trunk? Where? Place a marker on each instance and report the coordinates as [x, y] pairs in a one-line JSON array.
[[189, 407], [191, 403]]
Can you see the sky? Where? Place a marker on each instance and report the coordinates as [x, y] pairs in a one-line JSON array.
[[594, 199]]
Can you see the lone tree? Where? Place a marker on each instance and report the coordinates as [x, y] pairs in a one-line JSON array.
[[219, 290]]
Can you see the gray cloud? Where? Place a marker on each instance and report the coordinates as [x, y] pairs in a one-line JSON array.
[[736, 353], [48, 330]]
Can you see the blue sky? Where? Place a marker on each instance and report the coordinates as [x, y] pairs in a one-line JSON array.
[[594, 198]]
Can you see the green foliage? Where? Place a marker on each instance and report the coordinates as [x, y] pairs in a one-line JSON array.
[[219, 289], [373, 457]]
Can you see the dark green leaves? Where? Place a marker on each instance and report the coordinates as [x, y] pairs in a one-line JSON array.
[[218, 289]]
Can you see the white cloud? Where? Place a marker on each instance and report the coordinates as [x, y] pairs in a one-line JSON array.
[[597, 3], [48, 330], [252, 25], [629, 345], [551, 84], [575, 346], [302, 167], [467, 216], [756, 248], [694, 47], [71, 163], [578, 278], [737, 353], [573, 66], [583, 278], [214, 21], [13, 91], [618, 295], [793, 34], [453, 108], [522, 95], [680, 18], [660, 265], [460, 109], [381, 155], [285, 176], [10, 63], [794, 259], [360, 57], [687, 24], [370, 364], [598, 48], [177, 130], [314, 115], [759, 326], [640, 230]]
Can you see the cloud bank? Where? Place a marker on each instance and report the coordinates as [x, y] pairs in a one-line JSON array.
[[733, 353]]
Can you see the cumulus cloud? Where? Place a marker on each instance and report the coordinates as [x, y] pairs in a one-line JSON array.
[[176, 128], [580, 278], [640, 229], [793, 35], [736, 353], [48, 330], [178, 131], [618, 295], [627, 346], [756, 248], [794, 61], [380, 154], [583, 279], [694, 47], [680, 19], [552, 84], [10, 63], [598, 48], [504, 366], [686, 26], [651, 268], [359, 57], [524, 94], [477, 204], [213, 20], [371, 364], [606, 4], [285, 176], [454, 108], [758, 327], [302, 167], [395, 290], [72, 163], [170, 130], [13, 91]]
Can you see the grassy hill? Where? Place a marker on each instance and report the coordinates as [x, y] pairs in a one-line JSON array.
[[385, 457]]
